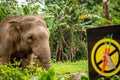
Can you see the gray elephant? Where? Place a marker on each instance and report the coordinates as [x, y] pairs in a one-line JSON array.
[[22, 37]]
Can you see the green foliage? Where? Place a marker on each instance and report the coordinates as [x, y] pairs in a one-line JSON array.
[[67, 21], [30, 8], [115, 77], [71, 67], [84, 78], [9, 72], [13, 72], [48, 75], [8, 8], [12, 8], [64, 23]]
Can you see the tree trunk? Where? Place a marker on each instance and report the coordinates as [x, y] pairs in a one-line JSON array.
[[105, 8]]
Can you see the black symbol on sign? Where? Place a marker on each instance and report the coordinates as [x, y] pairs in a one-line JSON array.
[[113, 52]]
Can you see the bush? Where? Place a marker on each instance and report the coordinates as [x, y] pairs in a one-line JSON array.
[[9, 72]]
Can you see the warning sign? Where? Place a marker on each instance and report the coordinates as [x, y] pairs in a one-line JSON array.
[[103, 51], [105, 57]]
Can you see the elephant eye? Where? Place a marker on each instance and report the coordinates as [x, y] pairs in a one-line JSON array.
[[30, 39]]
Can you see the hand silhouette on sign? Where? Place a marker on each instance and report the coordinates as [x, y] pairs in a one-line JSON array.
[[107, 61]]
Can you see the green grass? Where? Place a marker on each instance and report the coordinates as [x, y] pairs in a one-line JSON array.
[[35, 73], [8, 72], [71, 67], [63, 70]]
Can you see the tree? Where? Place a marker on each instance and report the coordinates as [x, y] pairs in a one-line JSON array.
[[65, 28], [67, 21], [106, 10]]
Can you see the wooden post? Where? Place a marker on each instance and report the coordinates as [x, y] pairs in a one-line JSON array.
[[105, 8]]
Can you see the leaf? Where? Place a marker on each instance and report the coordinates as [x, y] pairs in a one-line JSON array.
[[51, 73], [26, 10]]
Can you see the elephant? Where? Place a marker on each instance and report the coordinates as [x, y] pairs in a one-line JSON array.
[[22, 37]]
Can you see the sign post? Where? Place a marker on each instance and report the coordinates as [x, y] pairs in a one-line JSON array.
[[103, 51]]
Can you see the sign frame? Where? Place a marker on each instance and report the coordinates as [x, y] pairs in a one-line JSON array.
[[95, 36]]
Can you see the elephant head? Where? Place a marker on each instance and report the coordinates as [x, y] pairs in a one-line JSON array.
[[30, 36]]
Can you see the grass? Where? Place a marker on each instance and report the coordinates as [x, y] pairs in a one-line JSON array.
[[35, 73], [72, 67], [63, 70]]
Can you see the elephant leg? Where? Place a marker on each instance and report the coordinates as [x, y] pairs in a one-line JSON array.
[[4, 59]]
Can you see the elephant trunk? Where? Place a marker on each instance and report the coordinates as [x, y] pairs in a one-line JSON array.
[[43, 56], [46, 62]]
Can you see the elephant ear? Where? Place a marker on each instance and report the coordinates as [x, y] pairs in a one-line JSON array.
[[14, 30]]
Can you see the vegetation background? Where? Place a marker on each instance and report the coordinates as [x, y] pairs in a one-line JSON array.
[[67, 21]]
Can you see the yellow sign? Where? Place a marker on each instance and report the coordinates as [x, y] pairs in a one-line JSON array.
[[106, 64]]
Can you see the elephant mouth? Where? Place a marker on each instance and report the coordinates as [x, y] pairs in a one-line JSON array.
[[24, 52]]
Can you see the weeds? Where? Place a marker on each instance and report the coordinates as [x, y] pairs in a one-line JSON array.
[[59, 71]]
